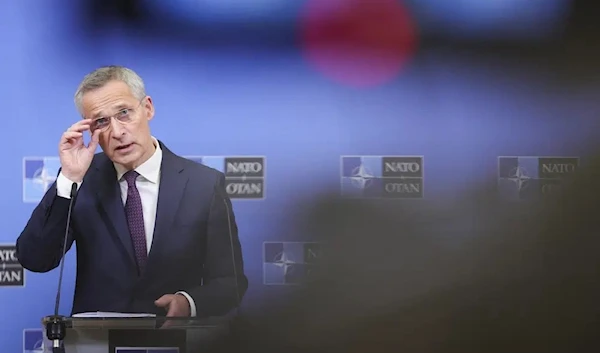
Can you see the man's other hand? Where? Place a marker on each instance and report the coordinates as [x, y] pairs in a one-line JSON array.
[[176, 305]]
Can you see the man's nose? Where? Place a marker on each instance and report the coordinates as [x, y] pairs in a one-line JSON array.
[[117, 128]]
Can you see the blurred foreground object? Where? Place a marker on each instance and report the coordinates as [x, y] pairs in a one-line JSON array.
[[526, 280], [489, 21]]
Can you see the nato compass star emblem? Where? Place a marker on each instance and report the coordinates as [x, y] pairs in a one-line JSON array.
[[39, 173], [43, 178], [519, 177], [362, 177], [284, 261]]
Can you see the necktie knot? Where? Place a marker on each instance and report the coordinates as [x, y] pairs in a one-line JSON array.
[[130, 177]]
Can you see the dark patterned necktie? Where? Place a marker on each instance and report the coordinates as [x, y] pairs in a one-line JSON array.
[[135, 219]]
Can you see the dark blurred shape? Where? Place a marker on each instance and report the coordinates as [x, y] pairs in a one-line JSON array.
[[148, 20], [527, 281], [127, 11], [268, 24], [492, 20], [580, 52], [583, 20]]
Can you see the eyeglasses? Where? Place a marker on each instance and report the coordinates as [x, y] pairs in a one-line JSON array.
[[124, 116]]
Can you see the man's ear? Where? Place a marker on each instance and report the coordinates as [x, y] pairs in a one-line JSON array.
[[149, 105]]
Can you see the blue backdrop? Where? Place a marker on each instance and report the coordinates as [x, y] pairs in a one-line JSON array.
[[263, 94]]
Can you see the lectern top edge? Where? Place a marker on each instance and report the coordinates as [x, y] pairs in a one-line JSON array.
[[138, 322]]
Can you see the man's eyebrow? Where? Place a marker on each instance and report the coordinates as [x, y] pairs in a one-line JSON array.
[[97, 115], [117, 107]]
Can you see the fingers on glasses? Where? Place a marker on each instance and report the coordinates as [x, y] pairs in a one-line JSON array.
[[80, 126]]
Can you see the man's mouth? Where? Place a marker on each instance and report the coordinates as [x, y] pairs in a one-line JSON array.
[[122, 147]]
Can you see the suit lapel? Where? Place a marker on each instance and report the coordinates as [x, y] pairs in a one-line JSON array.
[[111, 206], [173, 181]]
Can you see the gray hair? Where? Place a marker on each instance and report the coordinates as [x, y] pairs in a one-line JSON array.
[[101, 76]]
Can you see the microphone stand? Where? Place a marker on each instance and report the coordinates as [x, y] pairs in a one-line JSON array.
[[56, 326]]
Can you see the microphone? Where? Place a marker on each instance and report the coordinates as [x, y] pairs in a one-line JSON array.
[[56, 329], [233, 258]]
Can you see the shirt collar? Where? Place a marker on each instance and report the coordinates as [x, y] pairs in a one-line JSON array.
[[150, 169]]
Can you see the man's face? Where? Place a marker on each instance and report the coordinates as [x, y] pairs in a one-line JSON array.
[[123, 119]]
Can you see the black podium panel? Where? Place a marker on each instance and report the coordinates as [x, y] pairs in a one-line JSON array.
[[147, 341]]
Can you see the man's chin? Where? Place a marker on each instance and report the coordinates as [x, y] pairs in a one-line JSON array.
[[124, 160]]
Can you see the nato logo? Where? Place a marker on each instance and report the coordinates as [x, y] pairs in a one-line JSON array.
[[244, 176], [146, 350], [11, 271], [528, 178], [33, 341], [39, 173], [379, 177], [289, 263]]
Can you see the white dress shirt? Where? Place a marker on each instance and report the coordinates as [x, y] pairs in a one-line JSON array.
[[147, 184]]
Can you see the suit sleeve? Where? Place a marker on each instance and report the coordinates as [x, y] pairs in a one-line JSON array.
[[224, 284], [40, 244]]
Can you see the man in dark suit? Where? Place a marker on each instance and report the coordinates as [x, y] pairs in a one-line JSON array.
[[155, 232]]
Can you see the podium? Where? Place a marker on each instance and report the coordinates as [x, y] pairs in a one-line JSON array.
[[138, 334]]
